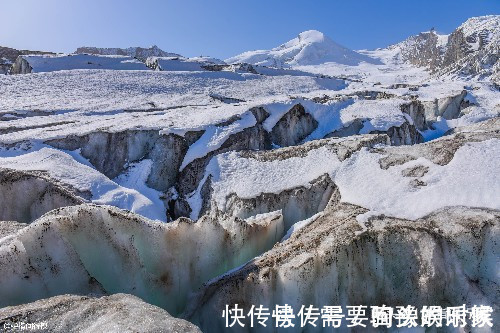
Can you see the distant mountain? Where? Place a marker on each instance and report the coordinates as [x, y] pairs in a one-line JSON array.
[[135, 52], [471, 49], [9, 55], [308, 48], [25, 64]]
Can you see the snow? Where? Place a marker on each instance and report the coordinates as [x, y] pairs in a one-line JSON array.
[[247, 177], [82, 101], [308, 48], [468, 180], [183, 64], [378, 115], [72, 97], [478, 23], [50, 63], [214, 136], [128, 191]]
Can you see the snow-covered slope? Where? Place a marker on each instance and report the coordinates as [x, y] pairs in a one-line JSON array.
[[49, 63], [308, 48], [471, 49], [127, 191]]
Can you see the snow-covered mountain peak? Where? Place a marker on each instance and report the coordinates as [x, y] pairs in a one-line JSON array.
[[310, 47], [475, 24], [309, 37]]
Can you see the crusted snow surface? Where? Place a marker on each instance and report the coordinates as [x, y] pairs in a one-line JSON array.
[[469, 179], [230, 173], [308, 48], [128, 191], [248, 177], [79, 102]]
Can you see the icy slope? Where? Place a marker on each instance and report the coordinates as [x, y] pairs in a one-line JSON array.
[[448, 257], [101, 249], [308, 48]]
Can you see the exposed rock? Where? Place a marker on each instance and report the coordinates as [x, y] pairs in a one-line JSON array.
[[8, 57], [21, 66], [100, 249], [423, 50], [136, 52], [115, 314], [27, 195], [293, 127], [471, 49]]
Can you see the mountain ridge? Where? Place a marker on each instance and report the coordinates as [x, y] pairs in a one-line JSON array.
[[136, 52]]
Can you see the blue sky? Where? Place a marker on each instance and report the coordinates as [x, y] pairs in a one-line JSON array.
[[224, 28]]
